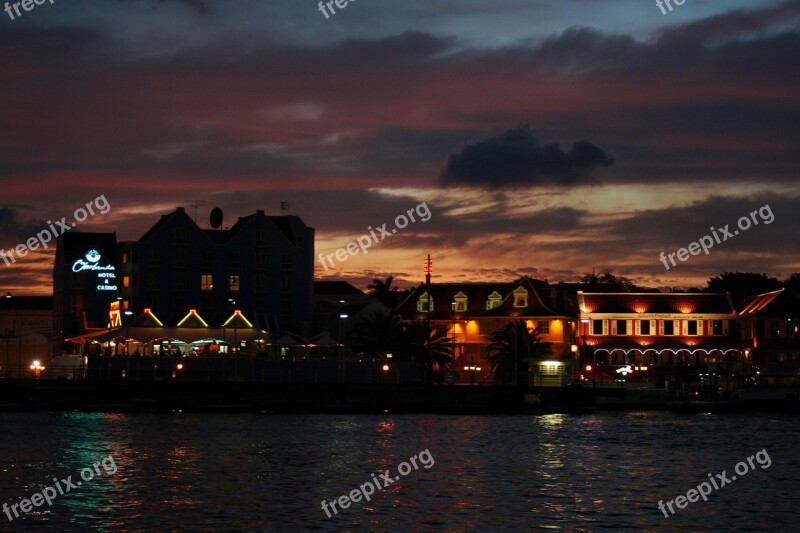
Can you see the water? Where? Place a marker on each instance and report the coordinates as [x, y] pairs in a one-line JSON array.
[[265, 472]]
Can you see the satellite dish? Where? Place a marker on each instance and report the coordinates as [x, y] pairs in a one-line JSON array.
[[216, 218]]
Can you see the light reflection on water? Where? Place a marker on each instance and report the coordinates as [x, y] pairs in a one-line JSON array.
[[263, 472]]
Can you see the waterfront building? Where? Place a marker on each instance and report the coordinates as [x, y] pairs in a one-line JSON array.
[[471, 312], [647, 336], [26, 334], [769, 331], [256, 276]]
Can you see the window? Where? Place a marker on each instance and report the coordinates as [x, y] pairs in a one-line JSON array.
[[543, 326], [669, 327], [286, 282], [233, 283], [180, 281], [205, 259], [520, 297], [152, 258], [180, 235], [644, 327], [206, 282], [691, 327], [425, 303], [130, 256], [152, 281], [261, 260], [622, 327], [286, 261], [233, 259], [598, 327], [718, 327], [775, 328], [126, 280], [460, 302], [795, 328], [494, 300], [261, 282], [261, 237], [485, 327]]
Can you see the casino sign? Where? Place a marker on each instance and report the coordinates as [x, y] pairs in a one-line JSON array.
[[106, 274]]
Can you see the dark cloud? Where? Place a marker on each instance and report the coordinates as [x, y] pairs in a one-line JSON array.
[[516, 159], [199, 6], [14, 230]]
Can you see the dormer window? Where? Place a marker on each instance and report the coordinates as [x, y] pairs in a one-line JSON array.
[[425, 303], [493, 301], [460, 302], [520, 297]]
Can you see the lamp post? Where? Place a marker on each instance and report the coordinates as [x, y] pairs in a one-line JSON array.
[[235, 327], [343, 337]]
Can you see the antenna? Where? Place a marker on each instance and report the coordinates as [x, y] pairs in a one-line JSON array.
[[195, 205], [284, 208]]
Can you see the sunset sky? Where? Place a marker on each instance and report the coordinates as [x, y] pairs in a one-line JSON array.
[[547, 137]]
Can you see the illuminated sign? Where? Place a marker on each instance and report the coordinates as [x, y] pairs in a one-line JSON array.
[[115, 318], [106, 277]]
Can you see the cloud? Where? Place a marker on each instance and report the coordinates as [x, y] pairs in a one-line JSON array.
[[516, 159]]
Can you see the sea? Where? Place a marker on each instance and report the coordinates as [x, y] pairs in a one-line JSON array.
[[281, 472]]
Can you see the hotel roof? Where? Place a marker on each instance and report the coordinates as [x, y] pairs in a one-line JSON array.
[[653, 303]]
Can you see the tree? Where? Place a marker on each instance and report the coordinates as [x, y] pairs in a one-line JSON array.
[[430, 348], [378, 333], [742, 285], [384, 292], [514, 345], [793, 283], [609, 283]]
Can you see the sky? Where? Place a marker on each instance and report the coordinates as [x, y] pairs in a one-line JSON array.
[[547, 138]]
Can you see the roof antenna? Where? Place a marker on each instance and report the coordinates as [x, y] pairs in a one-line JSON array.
[[284, 208], [195, 205]]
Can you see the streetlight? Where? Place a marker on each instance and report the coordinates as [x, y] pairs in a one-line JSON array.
[[583, 354], [343, 338], [235, 327], [8, 336]]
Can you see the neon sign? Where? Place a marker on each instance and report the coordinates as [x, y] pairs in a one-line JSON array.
[[105, 273]]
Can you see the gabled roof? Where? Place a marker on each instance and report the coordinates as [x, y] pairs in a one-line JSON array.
[[780, 303], [326, 288], [651, 303]]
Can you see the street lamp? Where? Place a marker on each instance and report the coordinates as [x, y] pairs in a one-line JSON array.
[[235, 327], [583, 354], [8, 336], [343, 339]]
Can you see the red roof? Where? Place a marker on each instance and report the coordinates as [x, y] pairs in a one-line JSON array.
[[650, 302]]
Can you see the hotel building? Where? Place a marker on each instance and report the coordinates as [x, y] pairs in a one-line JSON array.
[[258, 274]]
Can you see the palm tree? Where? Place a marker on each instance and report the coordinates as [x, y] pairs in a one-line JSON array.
[[428, 347], [511, 348], [378, 333], [384, 292]]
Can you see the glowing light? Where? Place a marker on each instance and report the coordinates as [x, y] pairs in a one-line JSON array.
[[147, 311], [552, 363], [588, 368], [385, 368], [237, 313], [179, 366], [190, 314]]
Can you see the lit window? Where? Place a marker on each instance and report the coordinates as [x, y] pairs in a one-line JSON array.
[[485, 327], [206, 282], [520, 297], [233, 283], [126, 281], [494, 300], [460, 302], [425, 303]]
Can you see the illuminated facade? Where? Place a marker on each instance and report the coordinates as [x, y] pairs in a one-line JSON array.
[[471, 312], [642, 335], [769, 330], [258, 274]]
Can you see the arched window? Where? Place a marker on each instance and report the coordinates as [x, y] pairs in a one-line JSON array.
[[494, 300], [460, 300], [520, 297]]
